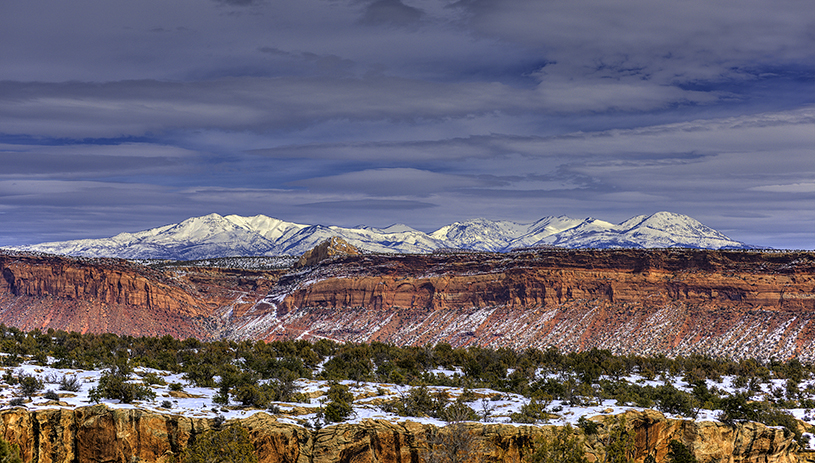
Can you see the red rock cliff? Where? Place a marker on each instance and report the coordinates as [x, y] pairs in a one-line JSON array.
[[97, 296], [113, 295], [675, 302], [628, 301]]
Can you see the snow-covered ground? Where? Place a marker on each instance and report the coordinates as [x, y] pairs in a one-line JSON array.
[[198, 401]]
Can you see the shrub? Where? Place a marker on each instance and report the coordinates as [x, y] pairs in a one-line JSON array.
[[29, 385], [418, 402], [620, 445], [679, 453], [50, 395], [531, 413], [201, 374], [775, 417], [114, 385], [70, 384], [352, 362], [220, 399], [458, 411], [9, 378], [9, 453], [251, 395], [455, 443], [339, 403], [12, 360], [671, 400], [286, 388], [40, 358], [17, 402], [152, 378], [178, 387], [589, 427], [738, 407], [229, 445], [565, 446]]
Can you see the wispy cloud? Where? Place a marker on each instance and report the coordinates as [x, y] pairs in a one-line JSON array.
[[122, 115]]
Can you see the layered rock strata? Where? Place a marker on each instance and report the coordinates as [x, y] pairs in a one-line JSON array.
[[99, 434], [720, 303], [674, 302], [113, 295]]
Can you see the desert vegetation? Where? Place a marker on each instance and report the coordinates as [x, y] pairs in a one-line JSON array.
[[437, 382]]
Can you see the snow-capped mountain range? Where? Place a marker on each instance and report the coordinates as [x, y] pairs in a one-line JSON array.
[[217, 236]]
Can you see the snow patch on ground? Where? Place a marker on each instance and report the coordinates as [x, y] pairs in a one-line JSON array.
[[198, 401]]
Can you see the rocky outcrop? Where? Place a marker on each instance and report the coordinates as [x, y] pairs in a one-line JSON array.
[[105, 281], [100, 434], [708, 441], [628, 301], [329, 248]]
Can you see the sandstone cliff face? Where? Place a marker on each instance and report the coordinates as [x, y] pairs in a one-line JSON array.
[[111, 295], [331, 247], [113, 283], [99, 434], [102, 296], [675, 302]]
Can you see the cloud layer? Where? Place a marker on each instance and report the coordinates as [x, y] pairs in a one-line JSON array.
[[119, 116]]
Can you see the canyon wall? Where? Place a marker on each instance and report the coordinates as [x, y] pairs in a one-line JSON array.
[[112, 295], [733, 304], [100, 434], [675, 302], [95, 296]]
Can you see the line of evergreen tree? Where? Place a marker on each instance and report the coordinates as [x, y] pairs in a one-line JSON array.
[[256, 373]]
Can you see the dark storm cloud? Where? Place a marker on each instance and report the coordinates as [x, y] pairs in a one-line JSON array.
[[638, 54], [391, 182], [391, 12], [116, 116], [79, 161], [370, 204], [238, 2], [140, 107]]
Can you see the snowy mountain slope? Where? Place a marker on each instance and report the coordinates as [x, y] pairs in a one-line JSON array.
[[369, 239], [194, 238], [481, 234], [268, 227], [216, 236], [660, 230]]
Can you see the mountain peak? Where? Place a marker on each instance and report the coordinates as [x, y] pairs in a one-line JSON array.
[[213, 235]]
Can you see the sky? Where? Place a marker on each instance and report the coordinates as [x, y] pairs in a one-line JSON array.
[[126, 115]]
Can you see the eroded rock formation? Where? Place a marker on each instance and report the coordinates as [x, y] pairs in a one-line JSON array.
[[112, 295], [629, 301], [331, 247], [100, 434], [721, 303]]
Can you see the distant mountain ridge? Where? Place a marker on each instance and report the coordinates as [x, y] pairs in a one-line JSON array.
[[214, 235]]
